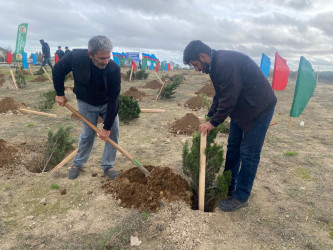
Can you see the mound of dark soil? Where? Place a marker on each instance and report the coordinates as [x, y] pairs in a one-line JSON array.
[[137, 95], [194, 103], [187, 125], [7, 153], [8, 103], [207, 89], [154, 84], [40, 79], [123, 77], [134, 190]]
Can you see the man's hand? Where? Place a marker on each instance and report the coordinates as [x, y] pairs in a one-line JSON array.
[[61, 100], [104, 134], [204, 128]]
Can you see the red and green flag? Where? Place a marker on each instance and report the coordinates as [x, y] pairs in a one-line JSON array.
[[305, 86]]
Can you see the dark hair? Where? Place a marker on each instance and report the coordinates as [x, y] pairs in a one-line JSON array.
[[66, 47], [193, 50], [41, 40]]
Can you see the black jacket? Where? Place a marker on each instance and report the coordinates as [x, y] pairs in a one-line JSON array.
[[60, 53], [46, 49], [242, 90], [78, 62]]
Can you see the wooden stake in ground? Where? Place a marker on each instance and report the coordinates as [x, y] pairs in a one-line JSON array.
[[64, 161], [189, 77], [115, 145], [202, 174], [163, 85], [28, 111], [130, 79], [272, 123], [152, 110], [47, 74], [30, 70], [13, 77]]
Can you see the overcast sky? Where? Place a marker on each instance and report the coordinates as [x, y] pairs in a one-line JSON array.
[[293, 28]]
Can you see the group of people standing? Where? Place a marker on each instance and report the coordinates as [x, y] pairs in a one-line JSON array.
[[46, 53]]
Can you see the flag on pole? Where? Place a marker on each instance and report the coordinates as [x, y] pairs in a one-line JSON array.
[[157, 66], [280, 73], [169, 67], [9, 58], [133, 65], [25, 60], [56, 58], [265, 64], [20, 40], [34, 59], [305, 86]]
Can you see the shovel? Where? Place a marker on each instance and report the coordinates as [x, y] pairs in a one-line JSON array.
[[115, 145]]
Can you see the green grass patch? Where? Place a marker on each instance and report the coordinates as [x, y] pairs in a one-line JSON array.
[[331, 234], [301, 172], [54, 186], [31, 125], [290, 153]]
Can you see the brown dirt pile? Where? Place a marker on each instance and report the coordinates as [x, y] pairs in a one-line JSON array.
[[154, 84], [7, 153], [40, 79], [207, 89], [194, 103], [134, 190], [8, 103], [123, 77], [187, 125], [137, 95]]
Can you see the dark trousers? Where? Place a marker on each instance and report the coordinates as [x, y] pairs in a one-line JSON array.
[[243, 155]]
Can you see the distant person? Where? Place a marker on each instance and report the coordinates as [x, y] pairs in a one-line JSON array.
[[67, 50], [244, 94], [97, 88], [60, 52], [46, 54]]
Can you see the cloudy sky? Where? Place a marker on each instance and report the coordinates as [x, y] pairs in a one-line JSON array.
[[293, 28]]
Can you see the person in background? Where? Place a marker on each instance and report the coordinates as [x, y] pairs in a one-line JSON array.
[[97, 87], [60, 52], [46, 54], [67, 50], [244, 94]]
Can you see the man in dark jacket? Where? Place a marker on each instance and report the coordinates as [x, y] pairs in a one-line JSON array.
[[97, 87], [60, 52], [244, 94], [46, 54], [67, 50]]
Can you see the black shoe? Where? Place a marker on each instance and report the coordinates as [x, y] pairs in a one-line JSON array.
[[232, 204], [73, 173], [111, 173]]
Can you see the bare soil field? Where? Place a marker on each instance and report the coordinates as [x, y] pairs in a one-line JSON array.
[[291, 206]]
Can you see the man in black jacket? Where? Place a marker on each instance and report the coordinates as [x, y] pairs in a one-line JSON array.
[[60, 52], [244, 94], [46, 54], [97, 87]]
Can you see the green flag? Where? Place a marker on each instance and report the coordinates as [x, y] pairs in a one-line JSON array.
[[305, 86], [20, 40]]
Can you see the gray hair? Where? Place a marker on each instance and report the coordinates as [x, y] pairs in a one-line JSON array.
[[97, 43]]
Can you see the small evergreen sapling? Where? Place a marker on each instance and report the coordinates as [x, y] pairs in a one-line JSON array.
[[20, 78], [129, 108], [49, 100], [217, 185]]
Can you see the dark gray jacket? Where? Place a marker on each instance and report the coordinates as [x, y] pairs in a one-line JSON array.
[[242, 90]]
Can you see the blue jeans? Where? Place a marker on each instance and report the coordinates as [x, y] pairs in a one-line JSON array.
[[87, 137], [47, 60], [243, 155]]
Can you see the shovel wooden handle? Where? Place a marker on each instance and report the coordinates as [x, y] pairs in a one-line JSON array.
[[115, 145], [202, 174]]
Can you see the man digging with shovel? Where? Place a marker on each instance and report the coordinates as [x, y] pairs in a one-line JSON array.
[[97, 87]]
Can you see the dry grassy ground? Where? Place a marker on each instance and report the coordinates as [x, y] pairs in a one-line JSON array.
[[291, 206]]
